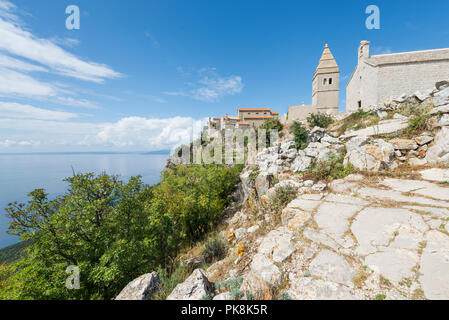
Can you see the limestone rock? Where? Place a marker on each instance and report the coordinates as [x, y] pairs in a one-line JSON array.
[[444, 121], [223, 296], [415, 162], [302, 163], [423, 140], [441, 98], [332, 267], [311, 289], [262, 183], [240, 233], [434, 275], [246, 184], [276, 245], [378, 155], [384, 127], [264, 270], [441, 85], [194, 288], [141, 288], [316, 134], [435, 174], [404, 144], [440, 109], [439, 152]]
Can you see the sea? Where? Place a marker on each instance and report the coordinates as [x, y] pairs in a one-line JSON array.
[[22, 173]]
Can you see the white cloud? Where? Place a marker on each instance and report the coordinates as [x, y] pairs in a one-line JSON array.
[[15, 110], [210, 86], [12, 143], [215, 88], [151, 134], [18, 41], [127, 134], [14, 83], [67, 42], [11, 63]]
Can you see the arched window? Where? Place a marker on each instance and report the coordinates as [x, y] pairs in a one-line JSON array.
[[330, 80], [325, 81]]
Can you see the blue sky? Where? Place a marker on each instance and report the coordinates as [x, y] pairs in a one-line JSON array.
[[138, 75]]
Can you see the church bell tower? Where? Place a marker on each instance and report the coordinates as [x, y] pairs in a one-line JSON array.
[[326, 84]]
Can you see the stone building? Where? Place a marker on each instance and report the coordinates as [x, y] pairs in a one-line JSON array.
[[247, 117], [380, 78], [325, 89]]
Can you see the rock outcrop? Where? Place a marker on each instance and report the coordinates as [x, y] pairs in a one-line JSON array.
[[142, 288], [365, 236], [196, 287]]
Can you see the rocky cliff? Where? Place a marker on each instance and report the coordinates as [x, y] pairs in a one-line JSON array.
[[361, 213]]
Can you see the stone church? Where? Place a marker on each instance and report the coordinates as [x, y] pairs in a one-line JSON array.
[[325, 89], [380, 78]]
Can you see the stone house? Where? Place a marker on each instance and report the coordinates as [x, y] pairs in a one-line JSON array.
[[381, 78]]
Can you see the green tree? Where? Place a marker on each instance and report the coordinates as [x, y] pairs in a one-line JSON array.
[[113, 231], [98, 225], [300, 134], [319, 120]]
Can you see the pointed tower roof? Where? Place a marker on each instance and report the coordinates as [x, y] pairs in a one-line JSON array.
[[327, 63]]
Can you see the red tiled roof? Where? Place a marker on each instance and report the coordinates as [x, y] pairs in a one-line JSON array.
[[254, 109]]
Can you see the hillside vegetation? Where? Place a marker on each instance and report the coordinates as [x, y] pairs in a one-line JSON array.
[[112, 230], [14, 252]]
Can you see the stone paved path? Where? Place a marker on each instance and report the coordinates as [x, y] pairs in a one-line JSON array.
[[362, 240]]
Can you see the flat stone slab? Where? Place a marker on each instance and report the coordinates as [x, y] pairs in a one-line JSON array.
[[376, 228], [333, 217], [277, 245], [435, 174], [396, 196], [319, 237], [303, 204], [312, 289], [422, 188], [264, 270], [342, 186], [332, 267], [384, 127], [393, 264], [430, 212], [434, 271], [339, 198]]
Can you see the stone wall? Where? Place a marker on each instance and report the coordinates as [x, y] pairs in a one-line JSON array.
[[396, 80], [300, 113], [380, 78]]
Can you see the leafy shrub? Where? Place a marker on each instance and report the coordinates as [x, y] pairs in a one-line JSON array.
[[114, 231], [214, 250], [168, 281], [418, 124], [233, 285], [355, 119], [253, 175], [332, 168], [284, 195], [301, 135], [319, 120], [285, 296]]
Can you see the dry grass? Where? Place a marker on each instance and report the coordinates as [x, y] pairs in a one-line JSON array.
[[360, 278]]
